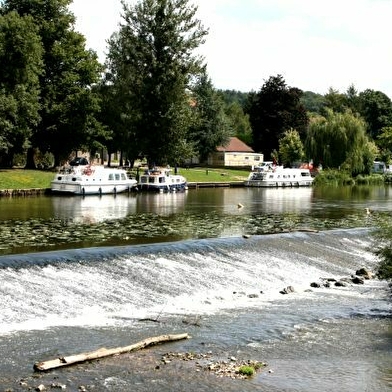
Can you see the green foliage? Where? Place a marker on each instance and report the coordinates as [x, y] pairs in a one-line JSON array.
[[333, 177], [376, 108], [239, 122], [21, 66], [68, 105], [272, 111], [233, 97], [291, 148], [312, 102], [382, 245], [152, 64], [211, 127], [246, 370], [384, 143], [339, 140]]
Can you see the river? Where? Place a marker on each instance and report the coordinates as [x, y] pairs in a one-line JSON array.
[[78, 274]]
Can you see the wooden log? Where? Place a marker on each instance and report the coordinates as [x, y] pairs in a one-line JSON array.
[[104, 352]]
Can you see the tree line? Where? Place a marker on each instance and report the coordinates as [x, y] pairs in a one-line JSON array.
[[153, 98]]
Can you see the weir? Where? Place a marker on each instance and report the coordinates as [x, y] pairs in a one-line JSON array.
[[100, 286]]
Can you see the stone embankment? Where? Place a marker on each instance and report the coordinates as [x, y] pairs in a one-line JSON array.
[[23, 192]]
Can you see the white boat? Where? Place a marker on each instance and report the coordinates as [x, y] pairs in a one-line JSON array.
[[91, 180], [161, 180], [278, 176]]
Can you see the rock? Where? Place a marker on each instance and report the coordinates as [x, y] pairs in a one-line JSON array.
[[340, 284], [287, 290], [365, 273], [40, 388], [357, 280], [315, 284], [253, 296]]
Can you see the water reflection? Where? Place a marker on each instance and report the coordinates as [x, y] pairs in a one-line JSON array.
[[203, 213], [161, 203], [93, 209]]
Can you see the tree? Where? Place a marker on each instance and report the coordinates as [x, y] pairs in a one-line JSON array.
[[313, 102], [239, 122], [384, 143], [272, 111], [339, 140], [68, 105], [151, 61], [376, 108], [335, 101], [211, 127], [21, 65], [291, 148]]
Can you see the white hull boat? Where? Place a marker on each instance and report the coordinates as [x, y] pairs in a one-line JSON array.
[[160, 180], [279, 177], [91, 180]]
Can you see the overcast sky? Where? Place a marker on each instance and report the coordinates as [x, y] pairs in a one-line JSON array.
[[313, 44]]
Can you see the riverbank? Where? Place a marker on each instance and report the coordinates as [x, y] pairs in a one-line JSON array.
[[21, 182]]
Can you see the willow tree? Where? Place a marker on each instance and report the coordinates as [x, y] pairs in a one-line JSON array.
[[152, 64], [339, 140]]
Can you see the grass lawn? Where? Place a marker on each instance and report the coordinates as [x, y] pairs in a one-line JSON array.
[[29, 179], [25, 179]]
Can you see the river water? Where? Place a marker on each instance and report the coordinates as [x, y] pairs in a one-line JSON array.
[[80, 274]]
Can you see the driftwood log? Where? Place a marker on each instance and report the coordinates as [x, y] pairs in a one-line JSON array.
[[104, 352]]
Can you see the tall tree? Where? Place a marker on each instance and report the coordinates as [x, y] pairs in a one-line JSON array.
[[68, 105], [376, 108], [152, 62], [273, 110], [211, 127], [21, 65], [239, 122]]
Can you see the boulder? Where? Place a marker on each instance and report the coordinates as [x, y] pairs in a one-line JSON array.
[[287, 290], [357, 280], [365, 273]]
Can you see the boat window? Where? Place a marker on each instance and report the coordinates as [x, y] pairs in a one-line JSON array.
[[117, 175], [162, 179], [123, 176], [151, 179], [111, 177], [143, 180]]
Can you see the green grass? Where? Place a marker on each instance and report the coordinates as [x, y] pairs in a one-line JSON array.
[[214, 175], [32, 179], [25, 179]]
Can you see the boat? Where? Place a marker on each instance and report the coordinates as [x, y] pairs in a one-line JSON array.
[[161, 180], [278, 176], [86, 179]]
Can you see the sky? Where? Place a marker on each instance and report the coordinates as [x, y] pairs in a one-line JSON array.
[[314, 44]]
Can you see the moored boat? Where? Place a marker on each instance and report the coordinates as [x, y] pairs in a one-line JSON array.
[[278, 176], [86, 179], [161, 180]]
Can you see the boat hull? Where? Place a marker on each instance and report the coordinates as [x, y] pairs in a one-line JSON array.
[[280, 177], [160, 180], [90, 180], [88, 189], [276, 184]]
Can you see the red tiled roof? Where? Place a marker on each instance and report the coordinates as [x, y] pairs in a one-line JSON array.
[[235, 145]]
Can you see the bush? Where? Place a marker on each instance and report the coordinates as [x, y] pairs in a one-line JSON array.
[[246, 370], [383, 246]]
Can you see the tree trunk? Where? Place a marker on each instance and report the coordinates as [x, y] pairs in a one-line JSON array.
[[104, 352], [30, 164]]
